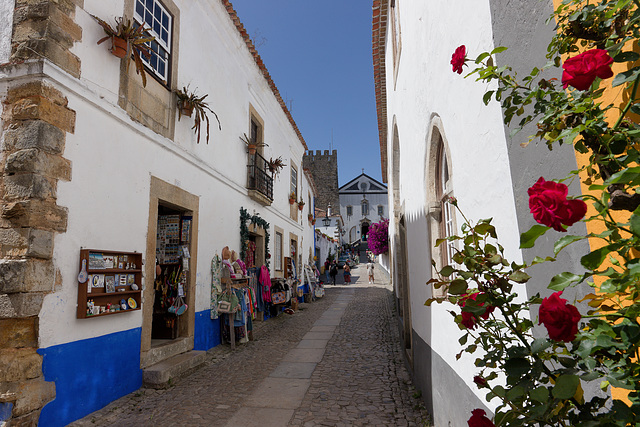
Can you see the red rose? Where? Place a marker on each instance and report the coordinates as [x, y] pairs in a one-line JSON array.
[[581, 70], [469, 319], [560, 319], [480, 381], [549, 205], [458, 58], [479, 419]]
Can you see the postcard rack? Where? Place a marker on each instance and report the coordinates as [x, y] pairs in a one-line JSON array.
[[109, 282]]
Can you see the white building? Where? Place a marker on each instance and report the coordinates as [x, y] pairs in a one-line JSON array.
[[93, 159], [363, 201]]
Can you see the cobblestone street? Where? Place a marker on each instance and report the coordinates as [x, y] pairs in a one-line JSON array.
[[335, 362]]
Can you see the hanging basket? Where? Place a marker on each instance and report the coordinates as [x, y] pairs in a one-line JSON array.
[[118, 47]]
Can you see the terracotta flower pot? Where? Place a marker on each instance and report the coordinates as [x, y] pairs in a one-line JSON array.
[[119, 47], [301, 206], [291, 201], [186, 109], [253, 149]]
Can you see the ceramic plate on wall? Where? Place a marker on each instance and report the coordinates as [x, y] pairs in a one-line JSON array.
[[132, 303]]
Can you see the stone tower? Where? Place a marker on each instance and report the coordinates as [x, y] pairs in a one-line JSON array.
[[324, 169]]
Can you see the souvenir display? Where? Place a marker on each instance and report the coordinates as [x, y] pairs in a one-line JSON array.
[[101, 294]]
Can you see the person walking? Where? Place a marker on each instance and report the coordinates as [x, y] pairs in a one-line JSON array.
[[347, 274], [333, 272], [370, 271]]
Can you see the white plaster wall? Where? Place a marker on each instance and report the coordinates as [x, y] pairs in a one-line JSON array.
[[480, 170], [6, 28], [113, 159]]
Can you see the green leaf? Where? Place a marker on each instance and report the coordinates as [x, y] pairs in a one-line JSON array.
[[635, 222], [566, 386], [630, 176], [499, 49], [528, 238], [593, 260], [517, 367], [625, 77], [564, 242], [487, 97], [484, 228], [458, 287], [540, 344], [560, 281], [626, 57], [446, 271], [519, 277], [540, 394]]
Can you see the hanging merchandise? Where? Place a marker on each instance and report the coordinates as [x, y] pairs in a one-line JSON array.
[[216, 286]]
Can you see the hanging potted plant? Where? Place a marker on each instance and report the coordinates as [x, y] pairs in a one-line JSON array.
[[275, 165], [188, 103], [301, 204], [292, 198], [128, 40], [310, 217], [252, 146]]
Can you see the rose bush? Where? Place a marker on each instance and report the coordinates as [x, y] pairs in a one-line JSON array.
[[549, 205], [581, 70], [560, 319], [538, 377]]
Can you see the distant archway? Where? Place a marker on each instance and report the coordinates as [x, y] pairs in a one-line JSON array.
[[364, 231]]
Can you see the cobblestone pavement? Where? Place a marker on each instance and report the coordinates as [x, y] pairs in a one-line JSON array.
[[358, 378]]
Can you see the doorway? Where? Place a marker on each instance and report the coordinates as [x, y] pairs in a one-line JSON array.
[[364, 231], [177, 211]]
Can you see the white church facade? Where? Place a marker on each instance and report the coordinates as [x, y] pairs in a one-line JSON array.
[[363, 202]]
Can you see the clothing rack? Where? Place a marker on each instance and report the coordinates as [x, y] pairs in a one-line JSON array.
[[233, 284]]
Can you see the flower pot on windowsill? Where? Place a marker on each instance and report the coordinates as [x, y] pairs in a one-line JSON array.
[[292, 201], [118, 47]]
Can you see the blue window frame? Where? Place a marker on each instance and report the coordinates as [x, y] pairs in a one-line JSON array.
[[155, 17]]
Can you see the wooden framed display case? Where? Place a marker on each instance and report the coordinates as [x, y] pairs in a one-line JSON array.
[[107, 278]]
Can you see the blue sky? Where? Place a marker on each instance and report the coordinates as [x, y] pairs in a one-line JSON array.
[[319, 56]]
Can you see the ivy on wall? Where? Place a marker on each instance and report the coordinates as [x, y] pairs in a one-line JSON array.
[[244, 233]]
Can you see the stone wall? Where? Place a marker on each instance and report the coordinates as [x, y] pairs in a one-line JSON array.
[[324, 170], [35, 121]]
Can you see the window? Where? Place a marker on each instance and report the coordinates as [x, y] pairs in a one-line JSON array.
[[380, 210], [365, 208], [278, 252], [349, 210], [153, 15], [444, 192], [294, 181]]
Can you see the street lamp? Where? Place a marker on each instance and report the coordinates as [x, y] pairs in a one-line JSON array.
[[327, 221]]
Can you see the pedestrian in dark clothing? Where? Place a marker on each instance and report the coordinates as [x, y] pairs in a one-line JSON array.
[[333, 272]]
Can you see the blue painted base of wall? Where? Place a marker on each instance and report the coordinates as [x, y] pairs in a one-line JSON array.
[[206, 331], [90, 374]]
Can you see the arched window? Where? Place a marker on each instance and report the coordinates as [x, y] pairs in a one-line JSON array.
[[365, 207], [443, 192]]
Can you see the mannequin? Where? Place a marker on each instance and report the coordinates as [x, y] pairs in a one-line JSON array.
[[239, 267], [226, 255]]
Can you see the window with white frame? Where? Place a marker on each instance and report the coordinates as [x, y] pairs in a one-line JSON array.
[[155, 17], [278, 251], [294, 181], [365, 208], [444, 193], [349, 210], [380, 210]]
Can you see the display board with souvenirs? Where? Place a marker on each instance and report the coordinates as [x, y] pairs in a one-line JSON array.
[[109, 282]]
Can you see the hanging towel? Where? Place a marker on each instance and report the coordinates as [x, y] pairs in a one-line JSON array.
[[265, 282]]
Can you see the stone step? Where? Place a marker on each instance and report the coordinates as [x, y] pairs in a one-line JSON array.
[[163, 374]]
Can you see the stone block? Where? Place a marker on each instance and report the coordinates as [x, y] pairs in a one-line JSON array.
[[36, 89], [13, 237], [34, 134], [40, 243], [44, 109], [19, 333], [26, 275], [66, 24], [28, 186], [41, 214], [28, 420], [20, 364], [31, 394], [32, 160], [27, 304]]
